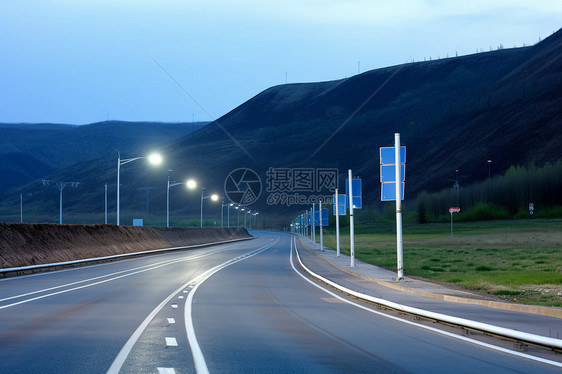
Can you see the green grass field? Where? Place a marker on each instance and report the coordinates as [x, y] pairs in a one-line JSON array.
[[519, 260]]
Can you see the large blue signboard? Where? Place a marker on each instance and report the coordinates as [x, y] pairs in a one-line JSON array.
[[356, 200], [388, 191], [387, 155], [388, 172]]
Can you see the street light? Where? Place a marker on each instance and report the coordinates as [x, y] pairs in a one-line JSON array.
[[190, 184], [213, 197], [154, 159], [489, 163]]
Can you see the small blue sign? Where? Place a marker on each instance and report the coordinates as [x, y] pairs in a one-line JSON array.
[[388, 173], [340, 207], [387, 155], [356, 192], [388, 191]]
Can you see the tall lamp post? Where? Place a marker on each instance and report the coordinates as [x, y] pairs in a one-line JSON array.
[[213, 197], [154, 159], [190, 184], [489, 163]]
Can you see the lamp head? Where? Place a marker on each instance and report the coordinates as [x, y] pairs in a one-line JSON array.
[[155, 159], [191, 184]]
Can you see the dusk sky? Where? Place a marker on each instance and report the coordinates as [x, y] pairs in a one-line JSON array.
[[84, 61]]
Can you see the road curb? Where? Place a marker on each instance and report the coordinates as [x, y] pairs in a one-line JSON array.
[[533, 309]]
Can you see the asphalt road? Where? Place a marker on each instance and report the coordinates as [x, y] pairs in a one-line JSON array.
[[231, 308]]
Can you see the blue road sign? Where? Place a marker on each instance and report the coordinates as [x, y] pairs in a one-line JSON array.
[[388, 191], [356, 192], [387, 155], [388, 173], [324, 216], [340, 207]]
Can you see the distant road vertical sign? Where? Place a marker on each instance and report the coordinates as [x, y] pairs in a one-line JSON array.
[[339, 204], [339, 210], [393, 180], [388, 173], [356, 199]]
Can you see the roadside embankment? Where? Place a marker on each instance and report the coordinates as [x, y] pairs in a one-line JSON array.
[[23, 244]]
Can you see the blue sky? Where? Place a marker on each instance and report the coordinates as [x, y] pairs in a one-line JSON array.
[[84, 61]]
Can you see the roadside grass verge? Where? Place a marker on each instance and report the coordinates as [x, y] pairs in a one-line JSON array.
[[519, 260]]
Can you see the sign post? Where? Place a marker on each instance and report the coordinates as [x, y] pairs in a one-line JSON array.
[[337, 214], [451, 211], [351, 233], [393, 177], [321, 237], [399, 243], [339, 210]]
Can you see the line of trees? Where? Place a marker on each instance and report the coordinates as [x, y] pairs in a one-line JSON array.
[[500, 197]]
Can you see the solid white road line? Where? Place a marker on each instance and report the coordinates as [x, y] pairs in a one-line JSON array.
[[198, 358]]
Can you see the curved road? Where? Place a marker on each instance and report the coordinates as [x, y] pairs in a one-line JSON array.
[[232, 308]]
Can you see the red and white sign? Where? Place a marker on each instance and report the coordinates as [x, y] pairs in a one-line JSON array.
[[454, 210]]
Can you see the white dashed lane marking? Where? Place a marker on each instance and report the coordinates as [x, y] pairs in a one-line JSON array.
[[166, 371], [171, 320], [171, 342], [174, 306]]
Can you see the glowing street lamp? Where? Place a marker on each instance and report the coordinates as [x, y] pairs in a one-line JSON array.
[[190, 184], [213, 197], [154, 159]]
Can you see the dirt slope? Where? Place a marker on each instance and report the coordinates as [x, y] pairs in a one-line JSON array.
[[23, 244]]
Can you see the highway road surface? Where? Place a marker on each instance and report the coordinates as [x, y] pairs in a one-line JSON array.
[[240, 307]]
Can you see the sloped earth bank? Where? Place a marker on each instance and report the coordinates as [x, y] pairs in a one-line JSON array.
[[23, 244]]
